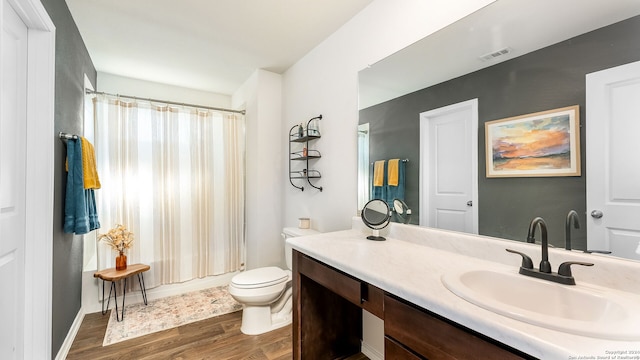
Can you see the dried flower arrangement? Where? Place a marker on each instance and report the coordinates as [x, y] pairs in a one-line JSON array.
[[119, 238]]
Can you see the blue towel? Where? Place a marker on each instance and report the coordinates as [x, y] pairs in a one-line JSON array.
[[90, 197], [379, 192], [80, 215], [396, 192]]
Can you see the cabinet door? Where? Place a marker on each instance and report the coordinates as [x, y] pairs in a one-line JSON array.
[[434, 338]]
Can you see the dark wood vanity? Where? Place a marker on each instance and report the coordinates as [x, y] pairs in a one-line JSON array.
[[327, 321]]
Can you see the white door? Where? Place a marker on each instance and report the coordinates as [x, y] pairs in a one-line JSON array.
[[613, 160], [448, 167], [13, 46]]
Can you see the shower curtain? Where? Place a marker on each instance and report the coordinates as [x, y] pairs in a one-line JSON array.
[[174, 176]]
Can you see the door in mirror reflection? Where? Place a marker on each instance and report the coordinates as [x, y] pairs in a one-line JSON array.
[[613, 193], [448, 167]]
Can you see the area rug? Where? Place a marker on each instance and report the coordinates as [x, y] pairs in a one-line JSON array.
[[169, 312]]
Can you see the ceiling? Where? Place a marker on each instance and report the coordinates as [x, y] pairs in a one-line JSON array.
[[206, 45], [520, 26]]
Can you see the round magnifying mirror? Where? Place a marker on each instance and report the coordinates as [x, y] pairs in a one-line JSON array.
[[375, 215], [403, 213], [399, 206]]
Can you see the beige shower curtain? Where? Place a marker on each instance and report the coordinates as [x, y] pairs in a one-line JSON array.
[[175, 177]]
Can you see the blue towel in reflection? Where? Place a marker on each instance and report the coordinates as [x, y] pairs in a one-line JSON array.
[[379, 192], [80, 215], [396, 192]]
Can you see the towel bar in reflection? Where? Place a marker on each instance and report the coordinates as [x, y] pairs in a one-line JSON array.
[[64, 136]]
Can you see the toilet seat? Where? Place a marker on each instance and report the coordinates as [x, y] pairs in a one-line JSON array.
[[260, 278]]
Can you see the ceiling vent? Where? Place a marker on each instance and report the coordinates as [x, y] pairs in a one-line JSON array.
[[495, 54]]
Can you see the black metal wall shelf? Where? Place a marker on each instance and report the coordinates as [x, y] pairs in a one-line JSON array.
[[301, 134], [312, 174], [300, 155], [304, 138]]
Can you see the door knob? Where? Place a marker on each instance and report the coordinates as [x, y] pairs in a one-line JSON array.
[[469, 203], [597, 214]]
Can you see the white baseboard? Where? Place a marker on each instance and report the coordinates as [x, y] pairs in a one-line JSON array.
[[181, 288], [371, 352], [92, 290], [71, 335]]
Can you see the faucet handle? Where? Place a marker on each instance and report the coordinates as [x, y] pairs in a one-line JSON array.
[[565, 268], [527, 263]]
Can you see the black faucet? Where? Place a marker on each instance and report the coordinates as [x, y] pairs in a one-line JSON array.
[[545, 266], [572, 216], [563, 276]]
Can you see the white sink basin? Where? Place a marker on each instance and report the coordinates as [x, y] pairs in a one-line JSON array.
[[578, 309]]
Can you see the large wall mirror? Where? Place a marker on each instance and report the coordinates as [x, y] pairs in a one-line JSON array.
[[511, 58]]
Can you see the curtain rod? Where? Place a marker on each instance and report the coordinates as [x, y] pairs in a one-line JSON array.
[[166, 102]]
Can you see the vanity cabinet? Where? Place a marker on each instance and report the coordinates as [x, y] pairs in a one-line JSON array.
[[302, 156], [327, 320]]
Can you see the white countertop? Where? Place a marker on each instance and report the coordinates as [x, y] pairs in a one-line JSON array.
[[412, 269]]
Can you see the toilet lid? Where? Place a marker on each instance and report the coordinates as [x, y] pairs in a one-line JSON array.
[[261, 277]]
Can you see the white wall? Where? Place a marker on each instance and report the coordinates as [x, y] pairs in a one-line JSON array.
[[261, 97], [116, 84], [325, 82]]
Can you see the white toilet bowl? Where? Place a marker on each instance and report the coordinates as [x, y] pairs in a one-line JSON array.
[[265, 293], [257, 290]]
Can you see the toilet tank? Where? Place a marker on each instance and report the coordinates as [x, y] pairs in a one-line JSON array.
[[289, 232]]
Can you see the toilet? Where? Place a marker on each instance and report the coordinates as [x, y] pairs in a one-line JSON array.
[[265, 293]]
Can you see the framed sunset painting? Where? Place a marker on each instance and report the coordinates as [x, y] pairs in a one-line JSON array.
[[545, 143]]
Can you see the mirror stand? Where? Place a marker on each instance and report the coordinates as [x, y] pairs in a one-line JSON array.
[[376, 236], [376, 216]]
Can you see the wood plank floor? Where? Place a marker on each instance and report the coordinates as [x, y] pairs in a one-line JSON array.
[[215, 338]]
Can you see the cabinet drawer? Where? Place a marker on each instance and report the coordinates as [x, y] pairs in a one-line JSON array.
[[435, 338], [395, 351], [332, 279]]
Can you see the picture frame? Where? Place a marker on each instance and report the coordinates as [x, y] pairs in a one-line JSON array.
[[540, 144]]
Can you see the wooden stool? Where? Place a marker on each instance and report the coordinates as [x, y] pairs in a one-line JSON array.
[[114, 275]]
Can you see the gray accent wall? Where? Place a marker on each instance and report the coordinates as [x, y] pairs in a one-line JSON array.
[[72, 62], [546, 79]]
